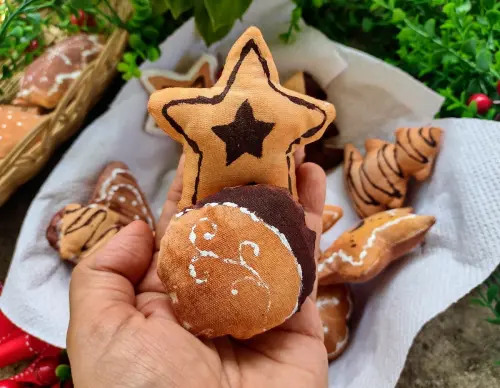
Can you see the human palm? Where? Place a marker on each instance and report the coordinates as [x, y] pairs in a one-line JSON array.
[[123, 332]]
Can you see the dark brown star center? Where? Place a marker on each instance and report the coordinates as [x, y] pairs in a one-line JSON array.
[[244, 135]]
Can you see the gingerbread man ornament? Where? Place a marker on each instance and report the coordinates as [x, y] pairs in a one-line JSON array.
[[242, 130]]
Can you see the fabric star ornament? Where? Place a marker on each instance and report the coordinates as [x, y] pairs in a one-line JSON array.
[[242, 130], [200, 75], [363, 252]]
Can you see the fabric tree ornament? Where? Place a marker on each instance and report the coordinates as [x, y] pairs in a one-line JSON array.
[[242, 130], [379, 181], [238, 263], [77, 230]]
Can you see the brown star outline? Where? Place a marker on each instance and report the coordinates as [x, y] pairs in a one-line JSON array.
[[250, 46]]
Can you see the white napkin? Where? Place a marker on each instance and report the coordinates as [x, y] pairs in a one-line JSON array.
[[372, 98]]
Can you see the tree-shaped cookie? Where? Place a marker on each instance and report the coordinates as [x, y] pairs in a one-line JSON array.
[[78, 230], [379, 180], [242, 130]]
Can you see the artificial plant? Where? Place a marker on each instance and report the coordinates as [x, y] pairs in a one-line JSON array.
[[453, 46]]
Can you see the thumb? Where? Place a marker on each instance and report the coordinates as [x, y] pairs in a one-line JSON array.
[[106, 279]]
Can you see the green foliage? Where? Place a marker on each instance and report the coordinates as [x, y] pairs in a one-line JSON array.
[[453, 46], [489, 297], [151, 21]]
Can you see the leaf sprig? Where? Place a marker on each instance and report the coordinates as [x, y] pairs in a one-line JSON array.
[[150, 22], [453, 46]]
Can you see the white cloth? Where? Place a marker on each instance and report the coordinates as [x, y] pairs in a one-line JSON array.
[[372, 98]]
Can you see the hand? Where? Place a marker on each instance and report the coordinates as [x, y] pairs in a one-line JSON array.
[[123, 332]]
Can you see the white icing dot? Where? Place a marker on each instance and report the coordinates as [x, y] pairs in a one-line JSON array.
[[9, 117], [234, 292], [1, 137], [186, 325], [325, 329], [4, 126], [136, 217], [121, 199], [144, 210], [134, 203], [19, 124]]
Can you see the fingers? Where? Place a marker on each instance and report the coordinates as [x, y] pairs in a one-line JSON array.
[[107, 277], [151, 282], [299, 155], [311, 187], [170, 206]]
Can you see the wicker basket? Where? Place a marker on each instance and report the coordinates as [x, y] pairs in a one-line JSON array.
[[31, 154]]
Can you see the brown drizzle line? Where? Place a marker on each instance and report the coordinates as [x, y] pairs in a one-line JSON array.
[[74, 227], [420, 158], [350, 185], [250, 45]]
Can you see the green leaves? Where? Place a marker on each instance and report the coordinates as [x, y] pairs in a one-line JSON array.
[[453, 46], [398, 15], [223, 13], [469, 47], [483, 60], [293, 27], [204, 25], [178, 7], [430, 27], [493, 293]]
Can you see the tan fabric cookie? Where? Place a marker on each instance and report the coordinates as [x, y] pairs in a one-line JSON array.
[[331, 214], [323, 152], [242, 130], [379, 180], [15, 123], [76, 231], [47, 79], [235, 264], [334, 303], [361, 253], [200, 75]]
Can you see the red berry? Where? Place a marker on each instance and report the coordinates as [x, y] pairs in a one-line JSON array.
[[91, 21], [10, 384], [34, 44], [483, 102], [46, 371], [79, 20], [498, 86], [74, 20]]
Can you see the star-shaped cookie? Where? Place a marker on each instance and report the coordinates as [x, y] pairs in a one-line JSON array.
[[200, 75], [245, 128], [364, 251]]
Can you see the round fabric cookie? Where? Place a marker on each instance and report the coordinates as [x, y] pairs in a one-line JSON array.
[[334, 304], [361, 253], [239, 263]]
